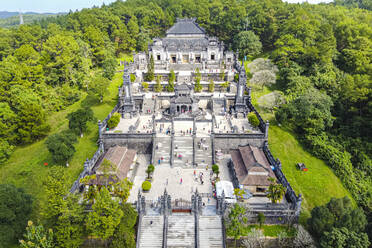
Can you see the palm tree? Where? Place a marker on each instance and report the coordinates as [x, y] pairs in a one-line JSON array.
[[276, 191]]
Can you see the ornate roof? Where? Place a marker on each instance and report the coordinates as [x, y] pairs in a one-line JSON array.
[[186, 26]]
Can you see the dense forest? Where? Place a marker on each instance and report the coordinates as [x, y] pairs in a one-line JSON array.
[[323, 53]]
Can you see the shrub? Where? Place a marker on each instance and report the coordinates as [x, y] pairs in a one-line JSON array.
[[114, 120], [146, 186], [211, 86], [145, 86], [253, 119], [132, 78], [215, 169]]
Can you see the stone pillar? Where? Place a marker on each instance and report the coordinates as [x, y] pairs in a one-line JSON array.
[[86, 166], [139, 205], [249, 94], [298, 205], [279, 163], [266, 129], [99, 129]]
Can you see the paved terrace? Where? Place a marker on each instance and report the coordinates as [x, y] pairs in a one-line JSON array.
[[142, 124], [170, 178], [225, 124]]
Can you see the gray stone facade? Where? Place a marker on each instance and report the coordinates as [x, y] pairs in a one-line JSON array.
[[185, 48]]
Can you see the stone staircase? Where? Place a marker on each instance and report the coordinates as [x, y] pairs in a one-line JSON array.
[[151, 234], [203, 157], [184, 146], [164, 148], [210, 231], [181, 231]]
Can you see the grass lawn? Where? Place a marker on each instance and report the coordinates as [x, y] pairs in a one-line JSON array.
[[26, 169], [317, 185]]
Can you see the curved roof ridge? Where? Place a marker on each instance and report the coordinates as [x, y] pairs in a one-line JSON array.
[[185, 26]]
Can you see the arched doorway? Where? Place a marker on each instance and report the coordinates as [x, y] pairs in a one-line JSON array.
[[183, 108], [178, 108]]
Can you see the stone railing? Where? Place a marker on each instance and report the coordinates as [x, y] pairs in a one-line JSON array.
[[153, 149], [88, 167], [223, 232], [239, 135], [127, 135]]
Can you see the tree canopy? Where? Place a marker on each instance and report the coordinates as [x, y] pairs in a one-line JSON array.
[[15, 209]]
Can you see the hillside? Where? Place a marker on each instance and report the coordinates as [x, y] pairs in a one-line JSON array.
[[11, 19]]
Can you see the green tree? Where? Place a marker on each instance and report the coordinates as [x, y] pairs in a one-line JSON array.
[[109, 67], [150, 169], [78, 120], [261, 219], [105, 217], [225, 85], [253, 119], [158, 87], [336, 213], [211, 86], [15, 208], [54, 190], [216, 169], [197, 75], [122, 189], [248, 43], [124, 236], [344, 238], [69, 228], [236, 218], [99, 86], [31, 118], [172, 78], [197, 87], [37, 237], [60, 145], [107, 167], [5, 150], [309, 113], [276, 191], [150, 70], [113, 121]]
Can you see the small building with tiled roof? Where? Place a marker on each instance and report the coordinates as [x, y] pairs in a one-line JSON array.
[[123, 161], [250, 168]]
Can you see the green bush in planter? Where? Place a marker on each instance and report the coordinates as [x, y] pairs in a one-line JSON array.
[[146, 186], [114, 120], [252, 118]]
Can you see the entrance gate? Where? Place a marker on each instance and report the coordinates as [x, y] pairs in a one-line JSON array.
[[181, 206]]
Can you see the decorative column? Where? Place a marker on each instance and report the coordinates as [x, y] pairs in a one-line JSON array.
[[99, 129], [266, 129]]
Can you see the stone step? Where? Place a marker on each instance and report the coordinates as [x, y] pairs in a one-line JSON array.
[[181, 231], [151, 232], [210, 231]]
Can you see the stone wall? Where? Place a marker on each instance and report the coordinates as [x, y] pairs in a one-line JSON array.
[[225, 142], [140, 142]]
